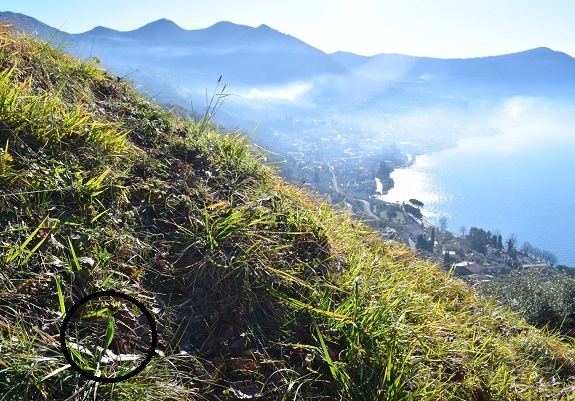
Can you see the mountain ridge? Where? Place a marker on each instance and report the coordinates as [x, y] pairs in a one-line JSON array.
[[229, 34]]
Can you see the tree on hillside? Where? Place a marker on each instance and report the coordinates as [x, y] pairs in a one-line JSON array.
[[549, 258], [421, 242], [416, 203], [414, 211], [462, 230], [499, 242], [425, 243], [383, 172], [446, 260], [479, 239], [539, 254], [511, 242], [443, 223], [527, 248], [432, 240]]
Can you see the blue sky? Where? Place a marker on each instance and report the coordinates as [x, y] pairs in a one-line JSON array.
[[439, 28]]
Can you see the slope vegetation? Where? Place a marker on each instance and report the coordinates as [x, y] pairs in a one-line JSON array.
[[258, 290]]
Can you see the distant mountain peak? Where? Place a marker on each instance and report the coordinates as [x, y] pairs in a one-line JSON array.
[[541, 49], [542, 54], [227, 26], [162, 23], [159, 30], [29, 24], [100, 31], [224, 24]]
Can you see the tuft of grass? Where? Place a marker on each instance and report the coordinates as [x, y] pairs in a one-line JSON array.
[[44, 119]]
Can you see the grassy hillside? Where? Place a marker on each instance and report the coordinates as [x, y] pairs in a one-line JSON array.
[[258, 290]]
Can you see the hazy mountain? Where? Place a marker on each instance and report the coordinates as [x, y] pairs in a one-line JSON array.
[[242, 54], [23, 22], [176, 62], [528, 71]]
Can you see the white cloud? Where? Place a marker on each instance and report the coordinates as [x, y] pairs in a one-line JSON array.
[[290, 92], [516, 106]]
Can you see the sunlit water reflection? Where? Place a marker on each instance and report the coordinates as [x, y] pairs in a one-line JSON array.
[[518, 183]]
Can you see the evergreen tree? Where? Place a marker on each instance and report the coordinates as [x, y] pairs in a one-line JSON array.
[[479, 239], [446, 260], [500, 242], [494, 241], [416, 203], [414, 211], [383, 172], [432, 242], [420, 242]]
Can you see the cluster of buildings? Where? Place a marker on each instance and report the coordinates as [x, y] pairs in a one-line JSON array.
[[494, 262]]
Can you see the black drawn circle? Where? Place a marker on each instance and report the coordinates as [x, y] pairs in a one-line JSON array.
[[117, 295]]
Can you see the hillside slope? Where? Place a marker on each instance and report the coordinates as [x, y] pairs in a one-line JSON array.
[[258, 291]]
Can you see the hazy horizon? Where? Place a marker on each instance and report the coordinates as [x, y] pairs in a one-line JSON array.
[[444, 29]]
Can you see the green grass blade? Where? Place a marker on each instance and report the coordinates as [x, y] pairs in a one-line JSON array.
[[60, 296], [22, 248], [74, 257], [110, 330]]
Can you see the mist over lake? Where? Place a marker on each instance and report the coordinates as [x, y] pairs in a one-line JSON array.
[[519, 182]]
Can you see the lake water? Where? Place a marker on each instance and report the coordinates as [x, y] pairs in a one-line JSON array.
[[520, 182]]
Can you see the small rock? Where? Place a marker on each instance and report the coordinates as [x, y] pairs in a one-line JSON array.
[[84, 260]]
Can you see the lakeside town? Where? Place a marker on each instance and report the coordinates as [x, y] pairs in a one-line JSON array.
[[473, 254], [351, 168]]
